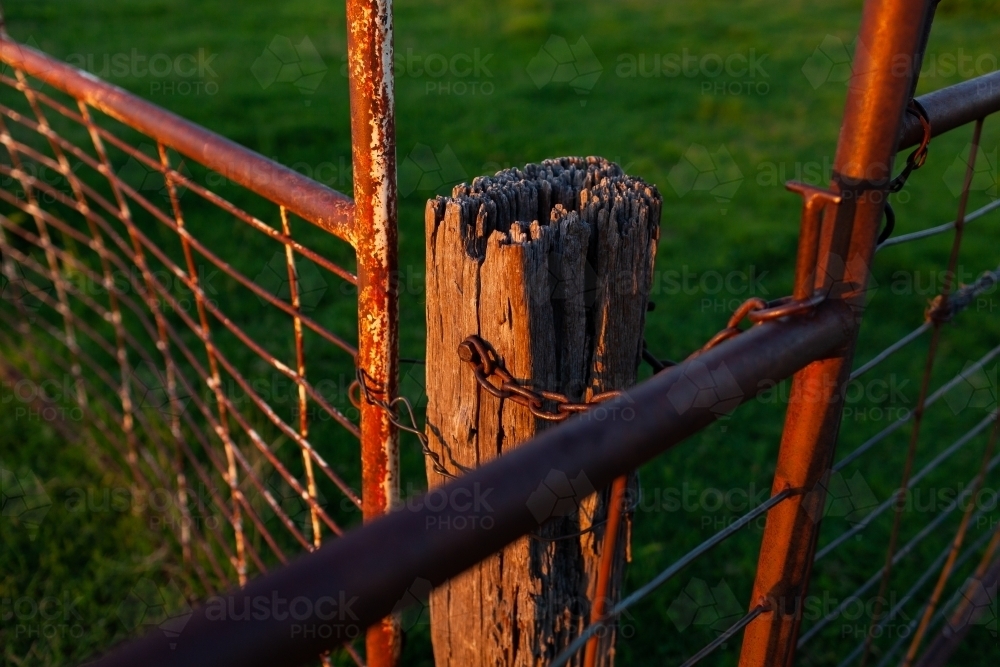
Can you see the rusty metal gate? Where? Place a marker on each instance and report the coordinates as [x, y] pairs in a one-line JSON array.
[[102, 210], [809, 336]]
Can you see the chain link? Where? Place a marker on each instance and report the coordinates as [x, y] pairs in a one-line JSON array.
[[486, 364], [758, 311]]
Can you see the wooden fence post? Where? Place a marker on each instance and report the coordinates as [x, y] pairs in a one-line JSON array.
[[551, 266]]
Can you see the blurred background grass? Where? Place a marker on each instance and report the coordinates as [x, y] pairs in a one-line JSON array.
[[776, 121]]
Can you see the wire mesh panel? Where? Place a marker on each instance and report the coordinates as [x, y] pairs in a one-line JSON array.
[[209, 371]]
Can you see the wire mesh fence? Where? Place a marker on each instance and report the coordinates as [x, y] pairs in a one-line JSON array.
[[162, 348]]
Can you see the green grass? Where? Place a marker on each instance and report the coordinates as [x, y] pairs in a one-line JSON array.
[[778, 126]]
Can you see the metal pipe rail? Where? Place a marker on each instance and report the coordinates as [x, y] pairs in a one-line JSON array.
[[286, 187], [370, 570], [952, 107]]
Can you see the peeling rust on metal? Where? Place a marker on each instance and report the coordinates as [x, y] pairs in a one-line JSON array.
[[369, 50]]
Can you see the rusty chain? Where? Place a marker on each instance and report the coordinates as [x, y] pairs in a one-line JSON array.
[[472, 350], [486, 364], [759, 311]]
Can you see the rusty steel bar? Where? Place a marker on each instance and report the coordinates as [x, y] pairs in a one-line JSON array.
[[954, 106], [615, 505], [373, 147], [311, 201], [953, 555], [300, 370], [371, 569], [876, 100], [978, 594], [918, 411]]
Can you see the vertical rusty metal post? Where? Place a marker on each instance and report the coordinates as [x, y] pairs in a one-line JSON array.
[[373, 138], [892, 31]]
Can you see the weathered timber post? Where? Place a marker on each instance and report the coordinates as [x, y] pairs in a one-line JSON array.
[[551, 267]]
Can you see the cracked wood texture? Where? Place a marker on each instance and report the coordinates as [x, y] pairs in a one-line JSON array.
[[551, 266]]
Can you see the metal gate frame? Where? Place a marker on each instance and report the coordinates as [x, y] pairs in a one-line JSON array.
[[862, 170], [368, 223]]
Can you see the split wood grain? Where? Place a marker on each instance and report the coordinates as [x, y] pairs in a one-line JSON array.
[[551, 265]]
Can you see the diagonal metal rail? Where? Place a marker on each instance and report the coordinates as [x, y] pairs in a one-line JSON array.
[[371, 570]]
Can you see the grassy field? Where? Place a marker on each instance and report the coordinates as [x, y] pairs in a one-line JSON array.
[[716, 103]]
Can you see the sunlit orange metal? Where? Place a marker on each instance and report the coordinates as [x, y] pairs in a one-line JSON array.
[[978, 594], [878, 93], [615, 507], [373, 138], [373, 239]]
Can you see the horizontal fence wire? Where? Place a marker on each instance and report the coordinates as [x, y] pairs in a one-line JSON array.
[[931, 399], [924, 578], [904, 551], [729, 633], [949, 606], [889, 351], [940, 229], [958, 302], [919, 475], [666, 575], [109, 247]]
